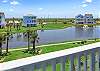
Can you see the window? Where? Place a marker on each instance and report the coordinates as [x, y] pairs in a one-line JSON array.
[[34, 21], [34, 17], [31, 17]]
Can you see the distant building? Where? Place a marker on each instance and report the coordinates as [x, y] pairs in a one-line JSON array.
[[86, 19], [79, 19], [30, 20], [2, 19]]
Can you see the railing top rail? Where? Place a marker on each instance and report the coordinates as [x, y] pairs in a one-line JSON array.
[[47, 56]]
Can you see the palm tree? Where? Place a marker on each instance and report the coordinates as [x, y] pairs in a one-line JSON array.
[[41, 22], [20, 24], [7, 25], [32, 36], [56, 21], [28, 36], [14, 22], [35, 38], [7, 39], [0, 45], [2, 35], [10, 25]]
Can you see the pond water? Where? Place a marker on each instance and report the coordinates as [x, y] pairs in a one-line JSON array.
[[50, 36]]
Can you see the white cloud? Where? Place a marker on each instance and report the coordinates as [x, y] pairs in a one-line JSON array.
[[40, 8], [14, 2], [11, 10], [4, 1], [84, 5], [89, 1]]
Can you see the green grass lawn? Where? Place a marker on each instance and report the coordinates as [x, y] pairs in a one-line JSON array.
[[48, 26], [51, 26], [17, 54]]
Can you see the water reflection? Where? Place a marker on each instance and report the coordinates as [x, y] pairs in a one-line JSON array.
[[50, 36], [84, 33]]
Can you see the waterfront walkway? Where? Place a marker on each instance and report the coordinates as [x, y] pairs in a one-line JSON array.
[[47, 45]]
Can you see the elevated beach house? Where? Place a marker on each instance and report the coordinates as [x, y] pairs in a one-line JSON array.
[[2, 19], [30, 20], [84, 19]]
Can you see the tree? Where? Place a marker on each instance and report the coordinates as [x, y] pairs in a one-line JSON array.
[[41, 22], [7, 40], [2, 38], [56, 21], [35, 38], [7, 25], [28, 36], [10, 24], [14, 22], [20, 24]]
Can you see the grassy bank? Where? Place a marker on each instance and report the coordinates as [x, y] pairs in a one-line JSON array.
[[18, 54], [48, 26], [51, 26]]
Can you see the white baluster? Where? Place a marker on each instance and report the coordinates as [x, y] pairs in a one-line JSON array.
[[44, 66], [63, 62], [53, 63], [98, 60], [79, 61], [92, 64], [85, 62], [71, 62]]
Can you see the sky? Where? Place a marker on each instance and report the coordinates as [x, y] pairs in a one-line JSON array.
[[50, 8]]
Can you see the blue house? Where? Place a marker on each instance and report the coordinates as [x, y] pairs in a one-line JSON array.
[[79, 19], [30, 20], [89, 19], [2, 19], [86, 19]]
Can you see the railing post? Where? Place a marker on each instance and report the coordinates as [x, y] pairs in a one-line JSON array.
[[92, 64], [79, 61], [85, 62], [44, 66], [98, 59], [53, 63], [71, 62], [63, 63]]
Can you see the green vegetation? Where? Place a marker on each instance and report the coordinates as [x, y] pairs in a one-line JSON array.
[[52, 23], [51, 26], [48, 26], [17, 54]]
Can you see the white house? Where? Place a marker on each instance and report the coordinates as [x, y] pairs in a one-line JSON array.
[[2, 19], [86, 19], [29, 20]]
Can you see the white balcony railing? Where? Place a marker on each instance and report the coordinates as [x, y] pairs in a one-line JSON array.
[[90, 63]]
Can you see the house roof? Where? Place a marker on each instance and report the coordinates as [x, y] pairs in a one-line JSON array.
[[79, 16]]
